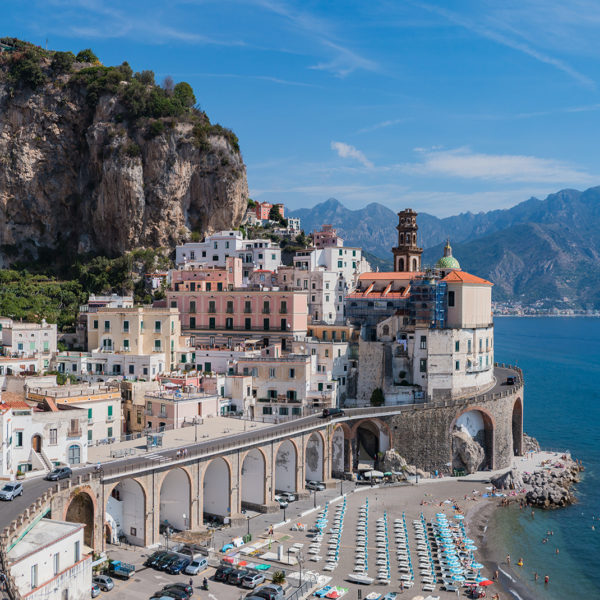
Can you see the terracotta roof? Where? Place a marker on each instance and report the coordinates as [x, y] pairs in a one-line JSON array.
[[377, 276], [463, 277], [375, 295], [14, 400]]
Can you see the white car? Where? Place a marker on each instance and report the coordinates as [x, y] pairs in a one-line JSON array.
[[288, 496], [282, 501], [316, 486], [11, 490]]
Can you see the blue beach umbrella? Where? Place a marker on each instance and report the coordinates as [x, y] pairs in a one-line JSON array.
[[458, 578], [476, 565]]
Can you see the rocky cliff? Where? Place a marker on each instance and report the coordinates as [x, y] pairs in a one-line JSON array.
[[100, 159]]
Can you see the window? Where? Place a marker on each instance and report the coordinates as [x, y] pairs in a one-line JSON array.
[[292, 373], [192, 306], [212, 306], [157, 326], [340, 252], [46, 347], [480, 344], [248, 324], [219, 286], [291, 395], [211, 323], [95, 324], [313, 298], [230, 306], [110, 432], [283, 309], [451, 298], [266, 324], [469, 346], [324, 336], [192, 322], [457, 346], [296, 411], [141, 325], [313, 351], [132, 369], [77, 549], [272, 394], [110, 410], [106, 325], [89, 414], [343, 336], [423, 342], [487, 344], [208, 286], [283, 410], [207, 367], [423, 365], [215, 246], [267, 410], [56, 563], [126, 344], [229, 323], [272, 372], [18, 439], [126, 326], [34, 576], [283, 324], [90, 435], [53, 437], [247, 306], [457, 365], [266, 307], [340, 264]]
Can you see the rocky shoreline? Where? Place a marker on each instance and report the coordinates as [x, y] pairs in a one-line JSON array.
[[547, 488]]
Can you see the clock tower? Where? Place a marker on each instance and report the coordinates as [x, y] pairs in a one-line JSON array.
[[407, 255]]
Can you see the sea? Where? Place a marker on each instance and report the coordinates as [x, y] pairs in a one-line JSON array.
[[560, 358]]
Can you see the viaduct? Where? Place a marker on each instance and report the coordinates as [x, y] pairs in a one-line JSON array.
[[216, 479]]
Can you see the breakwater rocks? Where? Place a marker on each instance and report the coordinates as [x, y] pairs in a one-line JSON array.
[[549, 487]]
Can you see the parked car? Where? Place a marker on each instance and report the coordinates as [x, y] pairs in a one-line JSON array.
[[510, 381], [178, 566], [252, 580], [95, 590], [316, 486], [164, 596], [183, 587], [333, 412], [236, 576], [287, 496], [282, 501], [154, 556], [174, 593], [165, 561], [59, 473], [104, 582], [197, 565], [11, 490], [271, 591], [222, 573]]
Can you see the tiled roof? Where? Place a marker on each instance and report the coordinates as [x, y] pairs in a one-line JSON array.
[[463, 277], [14, 400]]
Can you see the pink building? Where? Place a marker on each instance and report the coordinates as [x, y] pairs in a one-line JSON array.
[[278, 315], [327, 237], [263, 210], [205, 278]]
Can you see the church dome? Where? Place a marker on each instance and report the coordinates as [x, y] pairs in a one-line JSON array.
[[447, 261]]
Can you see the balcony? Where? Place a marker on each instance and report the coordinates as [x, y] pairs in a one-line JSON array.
[[74, 432]]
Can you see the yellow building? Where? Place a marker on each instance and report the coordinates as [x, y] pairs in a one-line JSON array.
[[139, 330]]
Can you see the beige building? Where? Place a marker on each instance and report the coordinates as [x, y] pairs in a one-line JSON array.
[[101, 402], [140, 330]]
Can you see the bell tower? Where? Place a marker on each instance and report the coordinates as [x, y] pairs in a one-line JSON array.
[[407, 255]]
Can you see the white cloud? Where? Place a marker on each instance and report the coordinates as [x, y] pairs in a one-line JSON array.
[[461, 162], [348, 151]]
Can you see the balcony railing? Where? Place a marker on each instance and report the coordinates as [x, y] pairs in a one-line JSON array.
[[74, 432]]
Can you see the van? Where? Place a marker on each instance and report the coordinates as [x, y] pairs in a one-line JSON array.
[[333, 412], [198, 564]]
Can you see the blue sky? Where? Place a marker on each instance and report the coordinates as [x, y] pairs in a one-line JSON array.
[[443, 106]]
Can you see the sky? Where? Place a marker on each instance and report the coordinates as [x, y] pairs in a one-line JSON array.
[[445, 107]]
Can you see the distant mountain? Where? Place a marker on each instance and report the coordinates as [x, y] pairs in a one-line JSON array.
[[540, 250]]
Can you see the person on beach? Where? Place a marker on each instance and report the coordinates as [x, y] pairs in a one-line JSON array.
[[520, 563], [557, 551], [508, 559], [535, 576], [496, 575], [546, 579]]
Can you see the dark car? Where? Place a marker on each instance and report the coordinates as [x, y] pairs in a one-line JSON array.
[[175, 593], [510, 381], [333, 412], [59, 473], [222, 573], [165, 561], [236, 576], [154, 557], [178, 566], [181, 587]]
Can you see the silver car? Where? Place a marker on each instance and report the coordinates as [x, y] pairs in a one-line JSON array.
[[104, 582], [11, 490]]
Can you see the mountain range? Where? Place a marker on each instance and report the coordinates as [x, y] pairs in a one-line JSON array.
[[543, 252]]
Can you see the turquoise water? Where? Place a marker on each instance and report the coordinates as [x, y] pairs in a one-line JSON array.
[[560, 358]]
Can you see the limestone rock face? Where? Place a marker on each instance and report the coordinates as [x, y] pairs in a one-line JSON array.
[[530, 444], [392, 461], [511, 480], [467, 453], [79, 178]]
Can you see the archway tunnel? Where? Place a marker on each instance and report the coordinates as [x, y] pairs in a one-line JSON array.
[[175, 505], [253, 479], [81, 510], [125, 513], [217, 490], [286, 464]]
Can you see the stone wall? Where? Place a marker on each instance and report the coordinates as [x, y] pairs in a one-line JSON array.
[[370, 376]]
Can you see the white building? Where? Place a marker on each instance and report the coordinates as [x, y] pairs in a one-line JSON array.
[[100, 366], [49, 562], [37, 438], [260, 254], [29, 340], [294, 224]]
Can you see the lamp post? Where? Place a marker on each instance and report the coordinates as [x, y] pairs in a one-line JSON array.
[[341, 487], [195, 429], [284, 513], [300, 561], [315, 498], [248, 521]]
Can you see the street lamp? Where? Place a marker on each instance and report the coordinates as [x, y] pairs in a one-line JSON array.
[[284, 513], [315, 497], [167, 532], [195, 429], [341, 487], [248, 520], [300, 561]]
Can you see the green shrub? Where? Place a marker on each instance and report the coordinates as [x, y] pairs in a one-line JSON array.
[[87, 56], [62, 62], [156, 128], [132, 150], [145, 77], [25, 70], [185, 94], [377, 397], [279, 577]]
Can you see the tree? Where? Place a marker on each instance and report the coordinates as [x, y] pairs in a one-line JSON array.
[[86, 56], [278, 577], [145, 77], [168, 84], [185, 94], [377, 397], [275, 215], [62, 62]]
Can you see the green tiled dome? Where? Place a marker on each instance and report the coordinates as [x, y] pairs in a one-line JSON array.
[[447, 261]]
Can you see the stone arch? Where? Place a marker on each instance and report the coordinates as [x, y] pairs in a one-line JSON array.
[[286, 466], [479, 417], [125, 512], [517, 427], [401, 265], [216, 489], [314, 457], [36, 442], [254, 466], [82, 508], [175, 499], [370, 438], [414, 265]]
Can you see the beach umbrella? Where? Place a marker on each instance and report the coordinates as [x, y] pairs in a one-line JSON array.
[[459, 517], [471, 547], [486, 582], [476, 565]]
